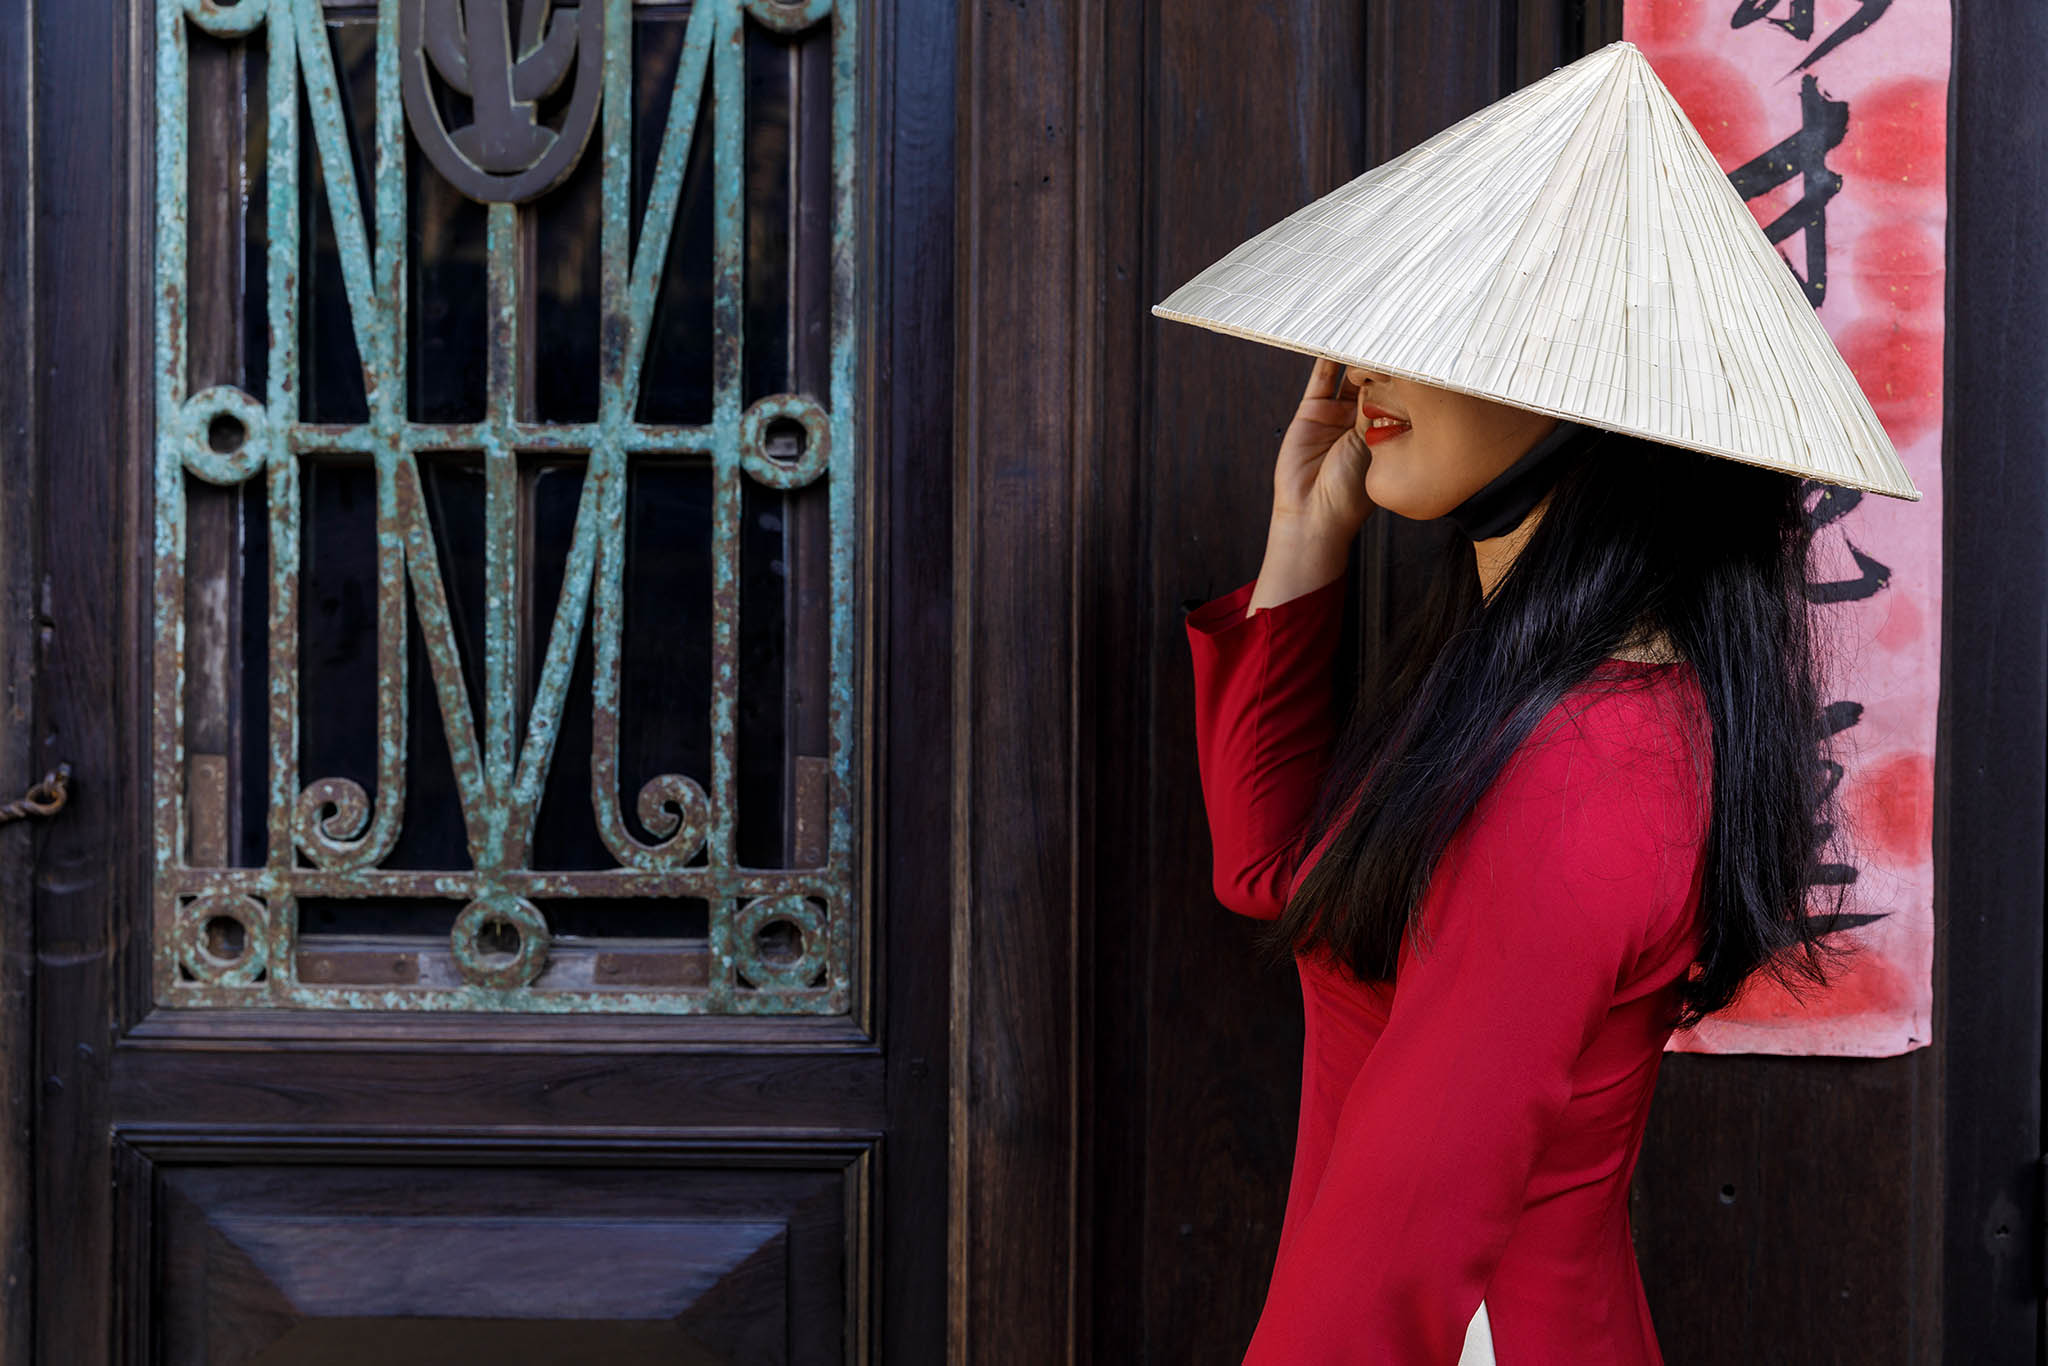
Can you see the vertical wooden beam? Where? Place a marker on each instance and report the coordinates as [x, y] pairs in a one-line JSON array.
[[1023, 438], [1991, 805], [90, 342], [1599, 22], [910, 379], [17, 663], [1114, 711]]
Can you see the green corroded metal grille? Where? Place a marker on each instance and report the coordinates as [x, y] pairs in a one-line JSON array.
[[235, 931]]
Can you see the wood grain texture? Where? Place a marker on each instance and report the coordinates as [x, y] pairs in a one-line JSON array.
[[1991, 803], [1114, 709], [911, 387], [1783, 1209], [338, 1086], [18, 393], [91, 456], [424, 1264], [1019, 402]]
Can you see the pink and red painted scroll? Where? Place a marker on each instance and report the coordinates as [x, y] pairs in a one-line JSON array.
[[1831, 118]]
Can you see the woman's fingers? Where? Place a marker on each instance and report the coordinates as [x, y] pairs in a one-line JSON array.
[[1325, 380], [1330, 412]]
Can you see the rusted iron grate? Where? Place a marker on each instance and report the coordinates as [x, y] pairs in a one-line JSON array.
[[774, 939]]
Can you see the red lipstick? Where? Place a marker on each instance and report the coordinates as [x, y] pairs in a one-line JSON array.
[[1391, 424]]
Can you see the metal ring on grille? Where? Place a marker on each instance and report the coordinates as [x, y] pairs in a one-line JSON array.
[[788, 16], [224, 403], [227, 18], [201, 931], [757, 915], [503, 971], [777, 473]]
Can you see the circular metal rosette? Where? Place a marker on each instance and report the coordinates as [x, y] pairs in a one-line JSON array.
[[226, 434], [500, 940], [227, 18], [764, 423], [761, 932], [788, 16], [223, 939]]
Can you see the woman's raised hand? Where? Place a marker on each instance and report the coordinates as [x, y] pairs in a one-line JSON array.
[[1319, 498], [1320, 474]]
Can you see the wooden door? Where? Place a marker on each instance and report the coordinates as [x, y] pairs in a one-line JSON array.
[[473, 519]]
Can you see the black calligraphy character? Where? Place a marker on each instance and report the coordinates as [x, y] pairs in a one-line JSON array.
[[1822, 123], [1839, 717], [1827, 504], [1799, 23], [1872, 578]]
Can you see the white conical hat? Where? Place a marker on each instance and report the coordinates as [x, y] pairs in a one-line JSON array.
[[1571, 249]]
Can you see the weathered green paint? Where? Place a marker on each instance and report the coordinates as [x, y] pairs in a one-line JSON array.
[[328, 836]]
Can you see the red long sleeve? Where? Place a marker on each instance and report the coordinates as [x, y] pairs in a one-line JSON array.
[[1475, 1137], [1263, 731]]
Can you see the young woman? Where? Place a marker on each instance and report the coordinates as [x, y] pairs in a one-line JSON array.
[[1576, 810]]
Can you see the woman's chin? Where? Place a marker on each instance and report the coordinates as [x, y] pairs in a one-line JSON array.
[[1403, 500]]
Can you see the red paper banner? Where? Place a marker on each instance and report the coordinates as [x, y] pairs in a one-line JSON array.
[[1831, 118]]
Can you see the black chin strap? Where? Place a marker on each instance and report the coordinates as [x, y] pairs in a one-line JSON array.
[[1502, 503]]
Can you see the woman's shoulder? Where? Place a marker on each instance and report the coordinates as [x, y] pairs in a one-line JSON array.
[[1634, 704], [1630, 741]]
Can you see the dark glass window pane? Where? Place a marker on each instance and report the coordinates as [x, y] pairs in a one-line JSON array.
[[676, 380], [447, 321], [665, 660], [338, 622]]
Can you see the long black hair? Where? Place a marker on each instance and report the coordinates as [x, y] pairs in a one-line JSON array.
[[1638, 538]]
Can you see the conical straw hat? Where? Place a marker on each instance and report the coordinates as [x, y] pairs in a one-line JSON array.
[[1571, 249]]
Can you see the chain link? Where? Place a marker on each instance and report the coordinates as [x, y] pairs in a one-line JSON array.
[[46, 798]]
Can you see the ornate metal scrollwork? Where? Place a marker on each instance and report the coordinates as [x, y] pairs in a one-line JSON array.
[[539, 84]]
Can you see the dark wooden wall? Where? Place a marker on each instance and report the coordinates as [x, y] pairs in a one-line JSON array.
[[1991, 794], [1126, 1079], [17, 655], [908, 278]]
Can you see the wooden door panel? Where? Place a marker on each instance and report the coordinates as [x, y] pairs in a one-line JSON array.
[[268, 1086], [430, 1263]]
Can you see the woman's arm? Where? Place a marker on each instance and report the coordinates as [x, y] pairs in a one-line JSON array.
[[1581, 856], [1262, 734], [1262, 654]]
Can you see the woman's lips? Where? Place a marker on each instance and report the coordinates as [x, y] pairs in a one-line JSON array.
[[1380, 425]]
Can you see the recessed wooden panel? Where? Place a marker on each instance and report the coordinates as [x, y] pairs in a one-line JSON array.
[[424, 1266]]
